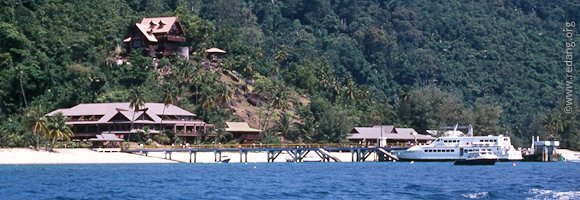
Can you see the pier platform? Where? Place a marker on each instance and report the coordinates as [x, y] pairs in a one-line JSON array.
[[292, 154]]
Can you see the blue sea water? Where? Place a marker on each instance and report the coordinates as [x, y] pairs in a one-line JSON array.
[[401, 180]]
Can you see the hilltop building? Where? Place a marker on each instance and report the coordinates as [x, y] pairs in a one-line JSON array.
[[158, 37], [90, 120], [387, 135]]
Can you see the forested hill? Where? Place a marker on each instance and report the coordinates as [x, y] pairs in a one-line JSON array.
[[424, 64]]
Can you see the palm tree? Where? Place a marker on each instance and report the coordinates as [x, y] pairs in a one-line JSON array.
[[137, 103], [224, 95], [208, 98], [167, 100], [40, 129], [553, 124], [57, 129], [285, 124], [35, 121]]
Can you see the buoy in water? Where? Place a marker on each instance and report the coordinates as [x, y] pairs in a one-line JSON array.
[[412, 162], [514, 164]]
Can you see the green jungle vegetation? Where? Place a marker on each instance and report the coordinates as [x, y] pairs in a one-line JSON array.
[[497, 65]]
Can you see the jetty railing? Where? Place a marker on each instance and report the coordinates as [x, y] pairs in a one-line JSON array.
[[250, 146]]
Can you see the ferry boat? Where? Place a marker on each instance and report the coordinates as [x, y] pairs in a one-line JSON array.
[[478, 158], [454, 145]]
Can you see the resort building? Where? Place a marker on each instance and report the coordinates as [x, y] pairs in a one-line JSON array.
[[243, 132], [90, 120], [387, 135], [158, 37]]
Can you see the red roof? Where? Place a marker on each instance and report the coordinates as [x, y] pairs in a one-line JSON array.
[[159, 24]]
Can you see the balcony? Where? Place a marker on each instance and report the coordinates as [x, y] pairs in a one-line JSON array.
[[187, 133], [175, 38]]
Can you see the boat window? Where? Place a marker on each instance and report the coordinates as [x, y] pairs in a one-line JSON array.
[[452, 150]]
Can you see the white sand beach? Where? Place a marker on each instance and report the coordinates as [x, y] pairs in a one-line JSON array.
[[71, 156], [87, 156], [569, 154]]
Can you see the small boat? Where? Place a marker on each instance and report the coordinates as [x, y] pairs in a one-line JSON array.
[[290, 159], [224, 159], [478, 158]]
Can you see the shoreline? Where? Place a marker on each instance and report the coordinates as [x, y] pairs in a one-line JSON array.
[[18, 156], [25, 156], [22, 156]]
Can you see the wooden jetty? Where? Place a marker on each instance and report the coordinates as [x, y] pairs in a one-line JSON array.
[[296, 154], [545, 151]]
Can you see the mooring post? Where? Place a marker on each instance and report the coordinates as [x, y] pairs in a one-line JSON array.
[[241, 152], [189, 156], [214, 155]]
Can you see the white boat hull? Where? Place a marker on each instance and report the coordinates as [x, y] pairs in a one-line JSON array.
[[454, 148]]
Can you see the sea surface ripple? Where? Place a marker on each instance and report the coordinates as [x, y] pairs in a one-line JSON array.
[[400, 180]]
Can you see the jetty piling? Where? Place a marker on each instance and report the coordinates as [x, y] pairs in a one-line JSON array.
[[297, 154]]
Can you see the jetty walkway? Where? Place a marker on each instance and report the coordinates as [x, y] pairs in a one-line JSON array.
[[296, 153]]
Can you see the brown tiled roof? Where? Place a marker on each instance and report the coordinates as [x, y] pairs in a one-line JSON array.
[[109, 110], [240, 127], [145, 31], [156, 27], [389, 132]]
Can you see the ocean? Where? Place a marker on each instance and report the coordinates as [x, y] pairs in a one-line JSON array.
[[371, 180]]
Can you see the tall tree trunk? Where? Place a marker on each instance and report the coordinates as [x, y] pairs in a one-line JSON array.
[[22, 91], [163, 113], [131, 130]]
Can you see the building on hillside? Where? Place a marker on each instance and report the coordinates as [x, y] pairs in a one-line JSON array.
[[243, 132], [387, 135], [158, 37], [90, 120]]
